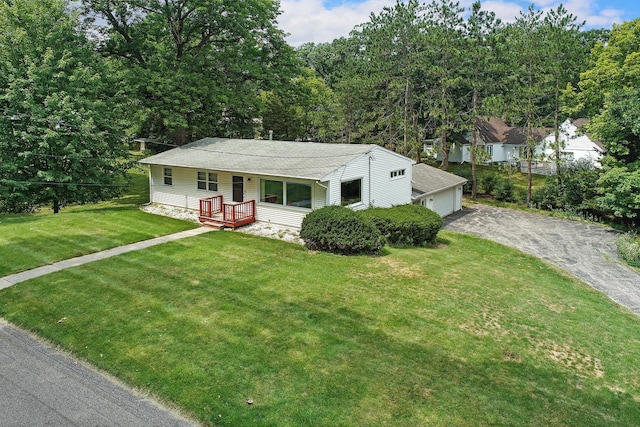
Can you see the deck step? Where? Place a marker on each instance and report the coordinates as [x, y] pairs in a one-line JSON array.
[[212, 224]]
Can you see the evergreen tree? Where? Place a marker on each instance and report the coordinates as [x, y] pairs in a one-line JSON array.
[[482, 73]]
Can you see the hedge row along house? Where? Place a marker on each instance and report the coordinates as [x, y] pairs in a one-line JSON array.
[[232, 182]]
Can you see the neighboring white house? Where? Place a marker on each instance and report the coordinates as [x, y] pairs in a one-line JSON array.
[[501, 143], [276, 181], [436, 189], [574, 146]]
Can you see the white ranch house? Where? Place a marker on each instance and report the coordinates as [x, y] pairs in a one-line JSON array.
[[232, 182]]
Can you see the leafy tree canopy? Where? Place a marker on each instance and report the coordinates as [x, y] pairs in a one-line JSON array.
[[59, 133], [194, 68]]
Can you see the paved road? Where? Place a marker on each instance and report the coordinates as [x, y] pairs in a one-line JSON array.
[[585, 250], [41, 387]]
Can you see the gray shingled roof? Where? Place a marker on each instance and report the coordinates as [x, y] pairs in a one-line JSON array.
[[290, 159], [427, 180]]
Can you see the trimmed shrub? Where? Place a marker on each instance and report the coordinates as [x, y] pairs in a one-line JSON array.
[[504, 190], [488, 182], [340, 230], [405, 225]]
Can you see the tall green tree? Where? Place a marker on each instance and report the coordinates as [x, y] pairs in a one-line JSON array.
[[564, 53], [60, 139], [482, 73], [530, 80], [395, 52], [609, 93], [305, 110], [194, 67], [445, 44], [618, 126]]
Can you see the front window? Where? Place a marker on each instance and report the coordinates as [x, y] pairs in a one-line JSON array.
[[285, 193], [489, 150], [351, 192], [299, 195], [207, 181], [168, 176], [271, 191]]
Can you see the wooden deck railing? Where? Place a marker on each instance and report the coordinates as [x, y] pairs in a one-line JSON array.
[[240, 213], [214, 211], [210, 206]]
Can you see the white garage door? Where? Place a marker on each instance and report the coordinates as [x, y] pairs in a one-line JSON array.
[[444, 202]]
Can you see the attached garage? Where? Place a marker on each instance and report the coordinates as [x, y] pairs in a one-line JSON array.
[[436, 189]]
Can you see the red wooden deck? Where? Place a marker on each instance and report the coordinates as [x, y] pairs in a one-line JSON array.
[[213, 211]]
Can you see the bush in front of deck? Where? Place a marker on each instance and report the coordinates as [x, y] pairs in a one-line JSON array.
[[340, 230], [405, 225]]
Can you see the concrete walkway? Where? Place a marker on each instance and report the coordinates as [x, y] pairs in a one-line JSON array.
[[587, 251], [12, 279]]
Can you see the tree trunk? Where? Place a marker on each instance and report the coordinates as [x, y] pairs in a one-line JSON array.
[[556, 133], [180, 137], [529, 162], [407, 97], [474, 147], [444, 165], [416, 135], [529, 180]]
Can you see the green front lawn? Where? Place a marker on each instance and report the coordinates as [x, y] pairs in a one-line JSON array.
[[28, 241], [469, 333]]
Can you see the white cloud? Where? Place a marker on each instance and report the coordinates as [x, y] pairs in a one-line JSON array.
[[310, 21], [506, 11], [588, 12]]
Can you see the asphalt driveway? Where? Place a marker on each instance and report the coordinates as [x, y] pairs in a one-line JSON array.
[[587, 251]]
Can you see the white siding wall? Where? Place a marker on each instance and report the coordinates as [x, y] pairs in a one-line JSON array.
[[387, 191], [511, 153], [185, 194], [182, 193], [378, 188]]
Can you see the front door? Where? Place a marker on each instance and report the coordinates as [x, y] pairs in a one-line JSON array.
[[238, 188]]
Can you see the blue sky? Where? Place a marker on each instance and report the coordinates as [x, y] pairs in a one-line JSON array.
[[324, 20]]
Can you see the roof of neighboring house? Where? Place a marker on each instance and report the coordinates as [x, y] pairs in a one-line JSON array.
[[579, 124], [494, 129], [428, 180], [307, 160]]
